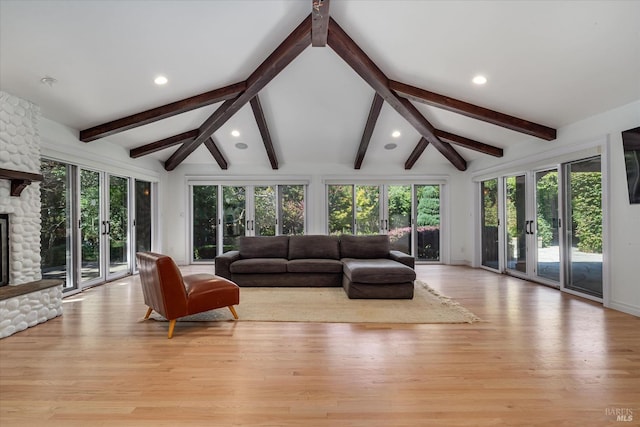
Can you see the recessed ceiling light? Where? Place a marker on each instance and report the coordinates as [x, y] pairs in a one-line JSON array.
[[479, 80], [235, 133], [241, 146], [48, 80], [161, 80], [396, 134], [390, 146]]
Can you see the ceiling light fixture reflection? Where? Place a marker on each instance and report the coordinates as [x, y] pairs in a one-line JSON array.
[[161, 80], [241, 146], [479, 79]]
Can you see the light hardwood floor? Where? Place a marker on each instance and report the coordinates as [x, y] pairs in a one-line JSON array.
[[540, 357]]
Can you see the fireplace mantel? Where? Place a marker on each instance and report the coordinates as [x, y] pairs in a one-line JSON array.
[[19, 180]]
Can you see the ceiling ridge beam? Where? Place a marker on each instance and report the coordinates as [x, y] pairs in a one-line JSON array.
[[287, 51], [153, 147], [474, 111], [319, 22], [216, 153], [374, 113], [162, 112], [469, 143], [416, 153], [357, 59], [261, 121]]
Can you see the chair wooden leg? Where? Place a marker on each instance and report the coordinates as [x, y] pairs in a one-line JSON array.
[[233, 311], [148, 313], [172, 325]]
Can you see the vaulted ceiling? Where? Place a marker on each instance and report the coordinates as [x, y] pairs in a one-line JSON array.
[[319, 81]]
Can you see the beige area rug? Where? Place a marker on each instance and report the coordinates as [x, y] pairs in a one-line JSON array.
[[331, 305]]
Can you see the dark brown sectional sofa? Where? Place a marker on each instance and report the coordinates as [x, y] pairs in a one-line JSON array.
[[364, 266]]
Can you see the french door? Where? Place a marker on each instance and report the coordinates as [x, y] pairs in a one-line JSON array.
[[408, 214], [546, 225], [222, 213], [93, 223], [104, 227]]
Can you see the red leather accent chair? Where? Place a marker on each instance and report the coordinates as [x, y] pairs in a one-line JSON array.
[[173, 295]]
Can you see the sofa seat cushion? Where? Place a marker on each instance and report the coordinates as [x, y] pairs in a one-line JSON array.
[[259, 265], [314, 265], [364, 247], [263, 247], [314, 246], [380, 271]]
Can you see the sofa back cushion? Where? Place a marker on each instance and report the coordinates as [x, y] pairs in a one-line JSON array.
[[264, 247], [312, 246], [364, 247]]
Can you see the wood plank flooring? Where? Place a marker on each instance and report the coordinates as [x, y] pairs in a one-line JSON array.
[[539, 358]]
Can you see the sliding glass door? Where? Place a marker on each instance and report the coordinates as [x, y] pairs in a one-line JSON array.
[[489, 222], [56, 212], [583, 234], [220, 214], [552, 228], [408, 214], [92, 228], [117, 227]]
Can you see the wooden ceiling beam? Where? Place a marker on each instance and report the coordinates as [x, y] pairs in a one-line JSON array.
[[162, 112], [374, 113], [469, 143], [153, 147], [357, 59], [319, 22], [473, 111], [416, 153], [216, 153], [261, 121], [282, 56]]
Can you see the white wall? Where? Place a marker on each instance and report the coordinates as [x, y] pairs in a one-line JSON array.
[[624, 218]]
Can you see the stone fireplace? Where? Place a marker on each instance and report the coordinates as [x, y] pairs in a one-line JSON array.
[[24, 302]]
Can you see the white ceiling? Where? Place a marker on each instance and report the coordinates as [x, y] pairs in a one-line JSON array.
[[551, 62]]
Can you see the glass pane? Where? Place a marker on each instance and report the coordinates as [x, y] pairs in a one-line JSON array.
[[548, 241], [400, 217], [118, 225], [265, 211], [367, 210], [428, 222], [55, 211], [143, 216], [489, 212], [584, 207], [291, 209], [516, 224], [340, 198], [205, 222], [90, 226], [234, 215]]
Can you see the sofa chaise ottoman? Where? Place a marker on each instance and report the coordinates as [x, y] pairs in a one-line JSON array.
[[364, 266]]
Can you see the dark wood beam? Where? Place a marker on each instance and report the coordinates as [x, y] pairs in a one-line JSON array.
[[163, 143], [258, 113], [282, 56], [162, 112], [416, 153], [189, 147], [357, 59], [216, 153], [469, 143], [374, 113], [473, 111], [319, 22]]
